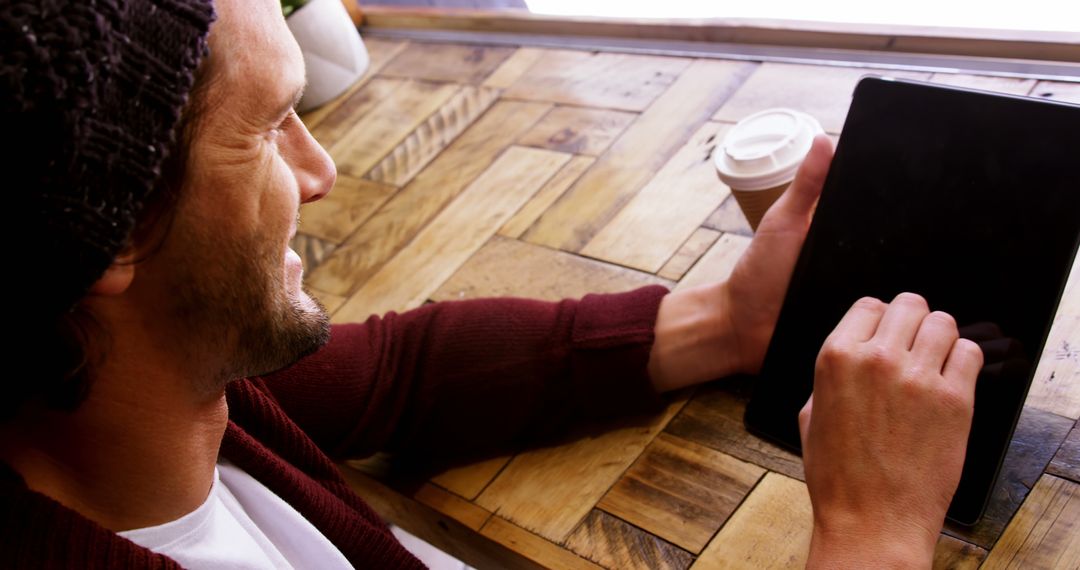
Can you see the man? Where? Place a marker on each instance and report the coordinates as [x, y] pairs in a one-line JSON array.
[[163, 183]]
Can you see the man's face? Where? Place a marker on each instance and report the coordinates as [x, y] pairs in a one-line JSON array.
[[230, 282]]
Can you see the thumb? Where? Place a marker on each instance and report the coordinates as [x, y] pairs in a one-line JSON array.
[[801, 197]]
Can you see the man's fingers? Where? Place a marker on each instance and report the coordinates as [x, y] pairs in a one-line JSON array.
[[860, 322], [801, 197], [964, 362], [935, 340], [804, 419], [902, 320]]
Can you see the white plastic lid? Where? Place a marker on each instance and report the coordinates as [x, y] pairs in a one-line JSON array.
[[765, 149]]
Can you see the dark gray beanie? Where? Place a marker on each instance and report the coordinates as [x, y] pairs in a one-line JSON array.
[[91, 92]]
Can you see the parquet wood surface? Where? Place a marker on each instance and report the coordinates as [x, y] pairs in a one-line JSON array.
[[469, 171]]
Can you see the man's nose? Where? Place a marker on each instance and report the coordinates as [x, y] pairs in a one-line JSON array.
[[317, 173]]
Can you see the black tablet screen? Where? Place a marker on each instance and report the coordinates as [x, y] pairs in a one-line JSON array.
[[969, 199]]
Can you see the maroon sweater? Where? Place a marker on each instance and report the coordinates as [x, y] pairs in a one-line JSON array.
[[447, 378]]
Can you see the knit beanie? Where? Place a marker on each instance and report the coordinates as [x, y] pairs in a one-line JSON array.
[[91, 93]]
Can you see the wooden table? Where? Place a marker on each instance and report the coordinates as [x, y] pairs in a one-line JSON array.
[[470, 171]]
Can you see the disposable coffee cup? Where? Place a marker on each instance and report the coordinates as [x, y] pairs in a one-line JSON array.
[[760, 155]]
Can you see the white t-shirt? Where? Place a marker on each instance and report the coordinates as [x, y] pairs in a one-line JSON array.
[[242, 525]]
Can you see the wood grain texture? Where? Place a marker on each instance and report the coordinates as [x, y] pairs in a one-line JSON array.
[[550, 490], [954, 554], [689, 252], [1044, 533], [1056, 385], [380, 52], [533, 547], [666, 212], [534, 208], [824, 92], [597, 79], [360, 102], [729, 218], [312, 250], [439, 530], [468, 480], [681, 491], [339, 213], [636, 156], [452, 506], [771, 529], [1037, 437], [514, 67], [407, 280], [398, 221], [717, 263], [1066, 462], [506, 267], [459, 63], [433, 135], [1058, 91], [612, 543], [375, 134], [1010, 85], [714, 419], [578, 130]]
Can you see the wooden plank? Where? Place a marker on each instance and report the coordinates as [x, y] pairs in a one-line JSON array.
[[398, 221], [824, 92], [598, 79], [1056, 386], [549, 490], [452, 506], [1066, 462], [666, 212], [771, 529], [612, 543], [1044, 533], [954, 554], [433, 135], [717, 263], [514, 67], [1038, 436], [729, 218], [459, 63], [312, 250], [1057, 91], [688, 254], [439, 530], [578, 130], [468, 480], [374, 135], [407, 280], [339, 213], [547, 195], [1010, 85], [360, 102], [380, 52], [533, 547], [506, 267], [643, 149], [714, 419], [680, 491]]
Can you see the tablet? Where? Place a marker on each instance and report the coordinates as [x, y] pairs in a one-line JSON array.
[[970, 199]]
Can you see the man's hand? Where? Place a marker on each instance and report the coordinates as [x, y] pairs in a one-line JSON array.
[[885, 432], [720, 329]]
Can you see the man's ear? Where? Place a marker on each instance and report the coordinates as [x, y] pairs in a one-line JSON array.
[[117, 277]]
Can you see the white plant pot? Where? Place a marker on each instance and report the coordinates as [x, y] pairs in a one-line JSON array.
[[333, 51]]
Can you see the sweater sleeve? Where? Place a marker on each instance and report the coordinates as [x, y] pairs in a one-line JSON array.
[[453, 377]]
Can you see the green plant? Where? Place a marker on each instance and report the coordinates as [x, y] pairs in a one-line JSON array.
[[290, 6]]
